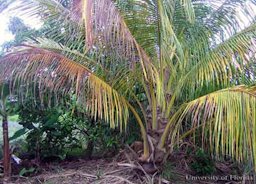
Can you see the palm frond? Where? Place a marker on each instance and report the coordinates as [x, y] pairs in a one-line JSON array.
[[189, 10], [60, 21], [225, 121], [229, 18], [104, 24], [119, 77], [67, 51], [52, 72], [223, 62], [142, 20]]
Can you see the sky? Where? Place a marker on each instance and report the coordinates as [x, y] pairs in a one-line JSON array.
[[5, 35]]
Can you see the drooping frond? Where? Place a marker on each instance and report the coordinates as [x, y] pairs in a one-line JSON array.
[[54, 73], [189, 10], [228, 17], [118, 76], [226, 119], [220, 65], [71, 53], [104, 25], [149, 21], [60, 21], [142, 20], [95, 25]]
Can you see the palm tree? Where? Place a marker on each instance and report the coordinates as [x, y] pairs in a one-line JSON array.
[[179, 66]]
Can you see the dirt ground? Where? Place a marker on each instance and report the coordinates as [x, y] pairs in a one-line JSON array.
[[100, 171], [123, 169], [82, 172]]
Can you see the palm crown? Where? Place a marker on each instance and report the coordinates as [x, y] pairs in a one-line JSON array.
[[191, 61]]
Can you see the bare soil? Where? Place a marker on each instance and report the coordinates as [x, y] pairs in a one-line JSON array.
[[123, 169]]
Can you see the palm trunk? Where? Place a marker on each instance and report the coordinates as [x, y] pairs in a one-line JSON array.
[[6, 149]]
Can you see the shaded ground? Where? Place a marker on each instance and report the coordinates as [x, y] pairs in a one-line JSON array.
[[109, 172], [123, 169], [83, 172]]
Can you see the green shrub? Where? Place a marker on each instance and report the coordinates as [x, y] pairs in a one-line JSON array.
[[61, 131]]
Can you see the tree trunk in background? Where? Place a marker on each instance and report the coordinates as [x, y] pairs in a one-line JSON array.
[[89, 149], [6, 149]]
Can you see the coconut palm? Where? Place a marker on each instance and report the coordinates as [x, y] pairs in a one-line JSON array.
[[179, 67]]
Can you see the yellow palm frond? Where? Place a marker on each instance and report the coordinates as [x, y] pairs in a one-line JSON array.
[[226, 121], [72, 54], [52, 72]]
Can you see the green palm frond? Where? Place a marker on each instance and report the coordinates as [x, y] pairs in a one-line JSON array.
[[228, 17], [222, 63], [143, 29], [107, 30], [148, 31], [59, 21], [189, 10]]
